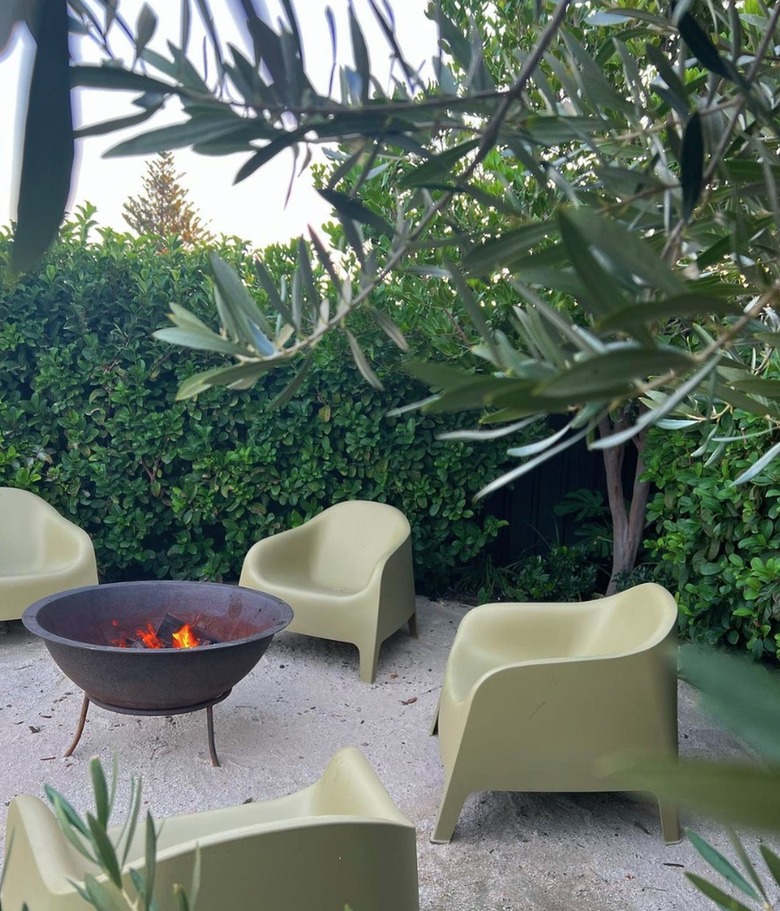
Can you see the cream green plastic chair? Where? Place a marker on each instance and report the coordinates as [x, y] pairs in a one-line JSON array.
[[341, 841], [545, 697], [41, 552], [347, 574]]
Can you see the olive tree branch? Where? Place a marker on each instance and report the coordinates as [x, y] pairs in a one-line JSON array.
[[490, 137], [728, 133]]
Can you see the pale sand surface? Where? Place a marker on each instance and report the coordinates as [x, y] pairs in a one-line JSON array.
[[281, 724]]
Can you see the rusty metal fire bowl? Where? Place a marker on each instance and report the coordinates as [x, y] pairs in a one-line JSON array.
[[79, 625]]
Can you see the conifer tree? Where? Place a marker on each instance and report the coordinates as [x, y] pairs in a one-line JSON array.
[[163, 210]]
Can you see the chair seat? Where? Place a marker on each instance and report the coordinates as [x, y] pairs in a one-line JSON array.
[[303, 585]]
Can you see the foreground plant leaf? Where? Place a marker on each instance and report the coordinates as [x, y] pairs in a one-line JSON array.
[[740, 795], [47, 158], [739, 693]]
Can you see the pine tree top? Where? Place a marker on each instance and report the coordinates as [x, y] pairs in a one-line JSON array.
[[163, 209]]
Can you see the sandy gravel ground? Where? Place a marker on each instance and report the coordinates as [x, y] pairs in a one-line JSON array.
[[281, 724]]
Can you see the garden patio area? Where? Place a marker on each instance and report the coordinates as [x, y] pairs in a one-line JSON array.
[[277, 730]]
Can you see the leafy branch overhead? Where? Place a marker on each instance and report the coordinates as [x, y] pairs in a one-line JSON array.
[[598, 185]]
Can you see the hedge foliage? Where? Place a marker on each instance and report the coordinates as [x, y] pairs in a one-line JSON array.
[[718, 543], [166, 489]]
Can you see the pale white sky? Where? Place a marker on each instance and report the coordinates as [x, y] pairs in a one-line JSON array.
[[254, 209]]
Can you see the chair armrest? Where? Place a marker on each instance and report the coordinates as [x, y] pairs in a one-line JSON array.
[[39, 860], [350, 787], [269, 556], [64, 541]]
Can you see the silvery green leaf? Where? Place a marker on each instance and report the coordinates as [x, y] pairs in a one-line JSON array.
[[759, 465], [109, 77], [131, 821], [626, 249], [293, 386], [412, 406], [150, 855], [390, 329], [246, 374], [530, 449], [104, 896], [772, 861], [242, 311], [100, 791], [489, 434], [145, 27], [613, 372], [175, 136], [354, 210], [718, 896], [747, 863], [120, 123], [201, 340], [722, 865], [361, 362], [676, 423], [104, 850], [473, 307]]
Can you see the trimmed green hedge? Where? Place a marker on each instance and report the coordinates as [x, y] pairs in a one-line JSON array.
[[174, 489], [718, 543]]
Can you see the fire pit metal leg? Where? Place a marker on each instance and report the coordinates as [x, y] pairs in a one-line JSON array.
[[125, 710], [210, 729], [80, 728]]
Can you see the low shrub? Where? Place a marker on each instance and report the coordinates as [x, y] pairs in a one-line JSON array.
[[718, 542], [561, 574]]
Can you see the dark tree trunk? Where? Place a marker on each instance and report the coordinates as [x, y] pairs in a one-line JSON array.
[[628, 519]]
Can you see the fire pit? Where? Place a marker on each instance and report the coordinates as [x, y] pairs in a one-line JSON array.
[[96, 636]]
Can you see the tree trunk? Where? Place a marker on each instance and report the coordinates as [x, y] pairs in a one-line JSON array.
[[628, 520]]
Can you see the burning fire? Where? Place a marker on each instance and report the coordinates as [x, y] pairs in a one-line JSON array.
[[149, 637], [185, 637]]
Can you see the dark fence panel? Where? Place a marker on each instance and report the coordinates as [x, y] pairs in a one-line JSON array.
[[529, 503]]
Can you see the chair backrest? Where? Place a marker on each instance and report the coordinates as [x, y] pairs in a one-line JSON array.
[[630, 621], [350, 538], [23, 517]]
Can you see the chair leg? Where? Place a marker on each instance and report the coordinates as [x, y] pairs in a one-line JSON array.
[[369, 658], [452, 802], [670, 823], [413, 625]]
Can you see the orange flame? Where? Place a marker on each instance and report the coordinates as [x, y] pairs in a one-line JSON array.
[[185, 637], [149, 637]]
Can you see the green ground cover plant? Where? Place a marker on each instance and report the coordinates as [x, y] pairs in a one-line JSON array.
[[562, 573], [180, 489]]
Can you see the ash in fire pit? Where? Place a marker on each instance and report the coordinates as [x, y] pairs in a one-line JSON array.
[[86, 633]]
